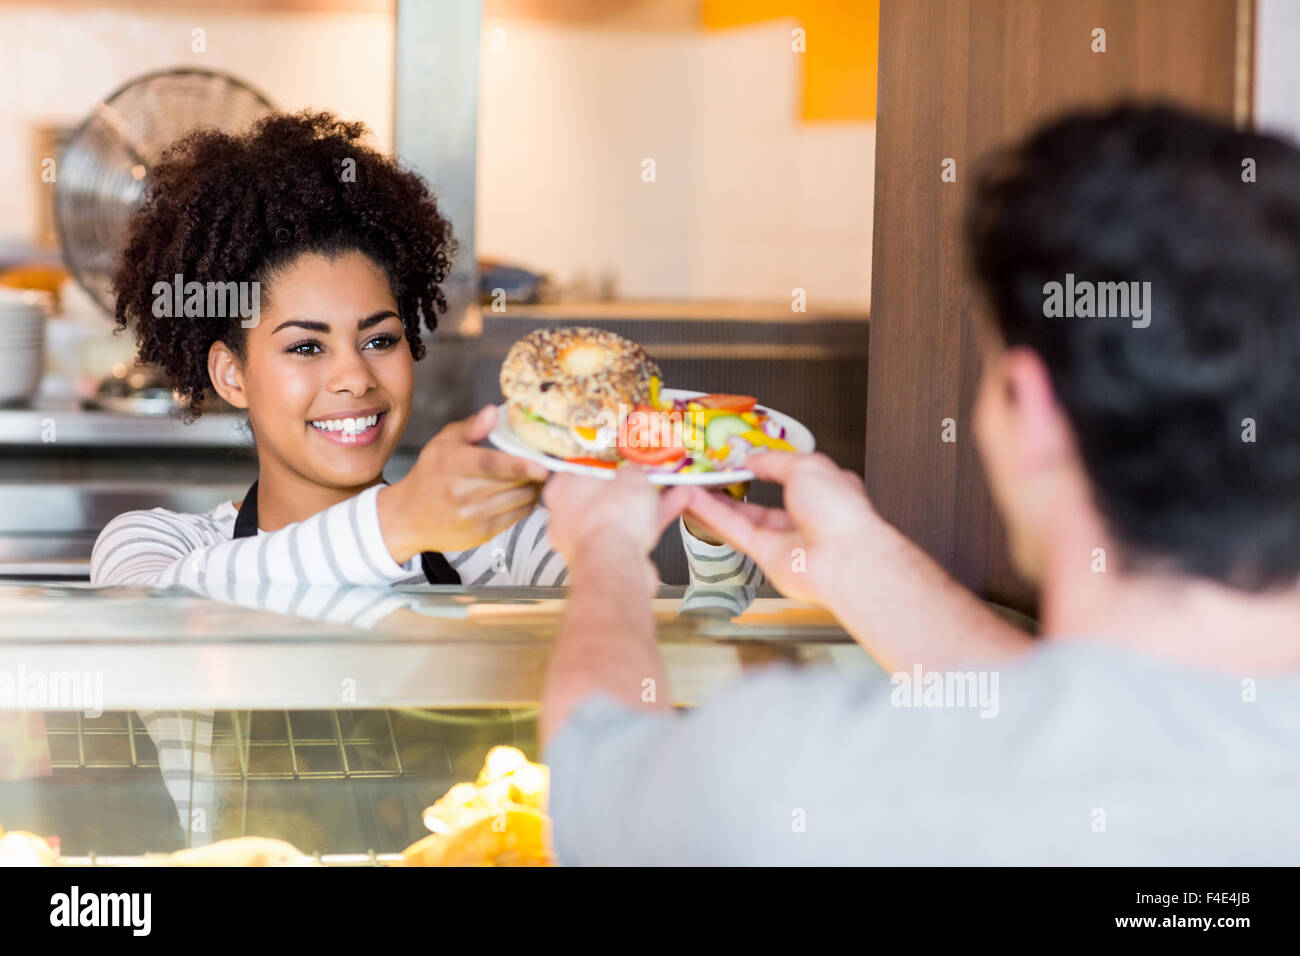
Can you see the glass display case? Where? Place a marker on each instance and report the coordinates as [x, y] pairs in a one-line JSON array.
[[139, 721]]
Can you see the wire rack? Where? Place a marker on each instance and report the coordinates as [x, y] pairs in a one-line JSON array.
[[408, 748], [245, 746]]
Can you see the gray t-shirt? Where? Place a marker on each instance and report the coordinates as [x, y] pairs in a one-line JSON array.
[[1090, 754]]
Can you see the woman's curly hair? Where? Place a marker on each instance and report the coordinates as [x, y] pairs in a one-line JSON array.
[[236, 208]]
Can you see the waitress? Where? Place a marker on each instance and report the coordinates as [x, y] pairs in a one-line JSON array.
[[343, 269]]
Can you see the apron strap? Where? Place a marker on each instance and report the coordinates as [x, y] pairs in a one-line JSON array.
[[437, 569], [246, 519]]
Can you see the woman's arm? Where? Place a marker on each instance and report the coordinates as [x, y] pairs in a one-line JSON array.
[[342, 545], [522, 556], [718, 566]]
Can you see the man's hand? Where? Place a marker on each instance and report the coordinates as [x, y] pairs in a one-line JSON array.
[[458, 495], [807, 550], [627, 515]]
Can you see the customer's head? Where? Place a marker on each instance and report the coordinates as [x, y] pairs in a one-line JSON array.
[[1176, 424], [349, 253]]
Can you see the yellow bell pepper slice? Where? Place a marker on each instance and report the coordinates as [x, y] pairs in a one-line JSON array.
[[702, 416], [762, 439]]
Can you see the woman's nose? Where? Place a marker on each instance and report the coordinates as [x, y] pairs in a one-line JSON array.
[[350, 372]]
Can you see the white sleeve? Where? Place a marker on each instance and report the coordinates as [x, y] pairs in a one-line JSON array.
[[520, 556], [717, 600], [718, 565], [183, 740], [342, 545]]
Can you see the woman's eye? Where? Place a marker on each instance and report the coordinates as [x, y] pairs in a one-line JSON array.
[[312, 347]]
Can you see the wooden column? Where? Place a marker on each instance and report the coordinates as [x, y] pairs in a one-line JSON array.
[[958, 77]]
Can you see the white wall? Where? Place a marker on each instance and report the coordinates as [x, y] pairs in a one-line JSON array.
[[749, 202], [56, 64], [1277, 66]]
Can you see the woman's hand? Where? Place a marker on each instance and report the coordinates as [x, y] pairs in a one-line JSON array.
[[458, 495]]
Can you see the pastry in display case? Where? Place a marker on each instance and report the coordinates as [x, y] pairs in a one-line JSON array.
[[499, 820], [20, 848]]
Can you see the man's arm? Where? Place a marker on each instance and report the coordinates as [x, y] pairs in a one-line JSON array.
[[830, 547], [607, 641], [905, 609]]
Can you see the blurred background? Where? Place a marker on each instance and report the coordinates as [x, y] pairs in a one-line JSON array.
[[743, 265]]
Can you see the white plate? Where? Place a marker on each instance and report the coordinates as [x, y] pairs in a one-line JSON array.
[[503, 437]]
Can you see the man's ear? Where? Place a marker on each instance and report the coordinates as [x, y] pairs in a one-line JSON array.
[[1043, 434], [226, 375]]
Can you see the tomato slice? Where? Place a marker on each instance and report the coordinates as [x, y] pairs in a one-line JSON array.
[[732, 403], [651, 436], [594, 462], [653, 456]]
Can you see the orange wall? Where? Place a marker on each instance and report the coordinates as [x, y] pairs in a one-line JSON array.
[[842, 41]]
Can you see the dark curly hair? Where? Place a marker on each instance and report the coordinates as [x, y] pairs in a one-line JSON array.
[[1163, 414], [237, 208]]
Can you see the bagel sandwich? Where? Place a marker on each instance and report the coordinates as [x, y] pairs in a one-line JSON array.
[[566, 388]]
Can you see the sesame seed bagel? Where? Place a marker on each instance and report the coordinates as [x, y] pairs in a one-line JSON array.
[[552, 439], [575, 377]]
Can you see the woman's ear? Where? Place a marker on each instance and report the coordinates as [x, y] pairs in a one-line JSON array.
[[226, 375]]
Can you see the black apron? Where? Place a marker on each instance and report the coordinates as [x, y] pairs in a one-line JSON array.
[[437, 570]]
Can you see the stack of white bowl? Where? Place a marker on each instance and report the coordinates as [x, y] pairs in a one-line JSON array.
[[22, 343]]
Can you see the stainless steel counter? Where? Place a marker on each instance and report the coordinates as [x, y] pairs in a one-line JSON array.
[[451, 647], [65, 423]]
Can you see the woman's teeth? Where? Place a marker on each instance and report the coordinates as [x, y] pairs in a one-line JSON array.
[[351, 425]]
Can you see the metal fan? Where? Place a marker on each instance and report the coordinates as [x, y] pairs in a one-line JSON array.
[[104, 167]]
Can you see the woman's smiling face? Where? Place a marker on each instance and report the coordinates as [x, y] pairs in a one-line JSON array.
[[328, 347]]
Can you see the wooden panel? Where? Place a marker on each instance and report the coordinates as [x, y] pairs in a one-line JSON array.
[[958, 77]]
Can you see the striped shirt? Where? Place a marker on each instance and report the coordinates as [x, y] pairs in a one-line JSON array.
[[339, 553]]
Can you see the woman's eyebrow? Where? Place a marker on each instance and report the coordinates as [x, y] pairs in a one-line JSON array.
[[313, 325]]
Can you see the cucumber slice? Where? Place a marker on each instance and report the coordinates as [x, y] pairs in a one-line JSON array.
[[723, 427]]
